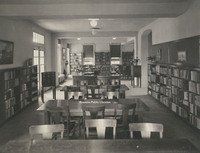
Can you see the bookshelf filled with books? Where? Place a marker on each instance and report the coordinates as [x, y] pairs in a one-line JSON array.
[[18, 89], [178, 88]]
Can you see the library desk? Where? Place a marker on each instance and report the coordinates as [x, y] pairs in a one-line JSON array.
[[75, 106], [102, 146]]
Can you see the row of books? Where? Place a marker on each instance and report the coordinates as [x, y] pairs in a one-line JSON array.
[[175, 72], [9, 94], [11, 83], [26, 71], [10, 102], [179, 110], [165, 100], [166, 91], [195, 76], [155, 94], [184, 74], [197, 100], [195, 121], [9, 112], [163, 70], [8, 75], [25, 78], [153, 78], [194, 87], [154, 87], [165, 80], [24, 95], [181, 83]]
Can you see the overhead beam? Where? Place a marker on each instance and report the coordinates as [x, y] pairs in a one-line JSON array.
[[93, 10], [98, 34]]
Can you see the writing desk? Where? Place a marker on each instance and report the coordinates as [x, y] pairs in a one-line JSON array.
[[102, 146]]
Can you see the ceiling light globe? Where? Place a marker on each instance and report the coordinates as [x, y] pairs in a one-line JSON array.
[[93, 23]]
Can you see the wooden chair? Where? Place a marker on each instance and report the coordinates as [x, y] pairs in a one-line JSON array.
[[58, 115], [111, 95], [93, 92], [46, 131], [100, 125], [125, 118], [146, 129], [93, 110], [76, 95]]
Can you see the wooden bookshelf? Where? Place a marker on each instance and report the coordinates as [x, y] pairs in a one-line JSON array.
[[18, 89], [178, 88], [127, 57], [102, 62], [76, 61]]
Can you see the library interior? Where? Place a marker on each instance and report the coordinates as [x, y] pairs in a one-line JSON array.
[[99, 76]]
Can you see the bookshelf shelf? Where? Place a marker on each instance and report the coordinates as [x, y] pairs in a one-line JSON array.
[[17, 90], [178, 88]]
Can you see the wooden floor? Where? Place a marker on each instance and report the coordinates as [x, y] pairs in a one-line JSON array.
[[17, 127]]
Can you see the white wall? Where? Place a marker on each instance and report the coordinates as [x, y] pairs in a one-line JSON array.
[[21, 33], [169, 29], [101, 44]]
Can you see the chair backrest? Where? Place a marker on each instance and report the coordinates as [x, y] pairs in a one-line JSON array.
[[94, 111], [57, 114], [111, 95], [46, 131], [146, 129], [126, 109], [100, 125], [103, 80], [92, 91], [75, 95]]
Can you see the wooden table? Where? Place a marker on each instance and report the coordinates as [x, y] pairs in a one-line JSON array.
[[102, 146], [75, 106], [83, 88]]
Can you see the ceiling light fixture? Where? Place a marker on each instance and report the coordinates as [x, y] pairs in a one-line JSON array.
[[114, 38], [78, 38], [93, 22]]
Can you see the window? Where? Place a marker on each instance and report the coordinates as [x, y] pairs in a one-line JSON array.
[[38, 38], [38, 56], [115, 54], [88, 54], [115, 50]]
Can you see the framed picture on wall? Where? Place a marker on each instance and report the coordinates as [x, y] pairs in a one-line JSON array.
[[64, 53], [182, 56], [6, 52]]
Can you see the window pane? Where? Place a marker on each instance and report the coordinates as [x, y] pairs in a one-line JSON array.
[[41, 53], [41, 68], [35, 53], [35, 61], [41, 60]]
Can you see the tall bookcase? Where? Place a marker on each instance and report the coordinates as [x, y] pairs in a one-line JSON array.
[[127, 57], [76, 61], [102, 62], [177, 87], [18, 89]]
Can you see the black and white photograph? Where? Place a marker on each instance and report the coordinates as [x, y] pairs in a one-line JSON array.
[[99, 76]]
